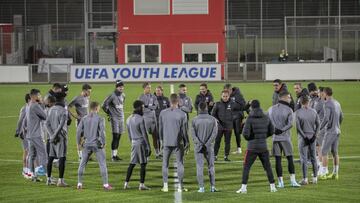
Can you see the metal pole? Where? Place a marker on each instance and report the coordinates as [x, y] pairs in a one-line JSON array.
[[57, 22], [285, 34], [86, 37], [295, 33], [227, 29], [261, 27], [340, 40], [328, 39]]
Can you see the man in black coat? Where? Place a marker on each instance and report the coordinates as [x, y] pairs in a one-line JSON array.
[[257, 128]]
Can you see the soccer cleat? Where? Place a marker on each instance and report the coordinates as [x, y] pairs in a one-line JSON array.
[[323, 177], [273, 189], [238, 151], [281, 185], [40, 171], [304, 182], [108, 187], [213, 189], [182, 189], [201, 190], [143, 187], [314, 181], [49, 182], [294, 184], [241, 191], [35, 179], [62, 184], [165, 189], [79, 186], [333, 176], [116, 158], [226, 159]]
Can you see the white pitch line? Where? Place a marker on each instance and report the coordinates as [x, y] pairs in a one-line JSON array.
[[177, 195]]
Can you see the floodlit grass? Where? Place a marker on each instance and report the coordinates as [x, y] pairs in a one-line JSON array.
[[14, 188]]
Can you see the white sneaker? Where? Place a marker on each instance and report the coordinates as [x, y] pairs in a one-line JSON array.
[[280, 185], [242, 191]]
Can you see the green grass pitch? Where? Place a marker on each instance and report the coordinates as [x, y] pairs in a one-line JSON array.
[[14, 188]]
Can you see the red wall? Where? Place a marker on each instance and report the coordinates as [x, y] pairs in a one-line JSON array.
[[5, 33], [171, 30]]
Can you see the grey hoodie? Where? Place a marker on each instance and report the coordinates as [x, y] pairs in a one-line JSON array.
[[173, 127], [93, 128], [203, 130], [281, 116]]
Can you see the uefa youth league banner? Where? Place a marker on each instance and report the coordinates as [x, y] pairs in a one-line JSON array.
[[156, 72]]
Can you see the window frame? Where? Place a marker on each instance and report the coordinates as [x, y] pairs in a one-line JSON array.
[[142, 48], [200, 55], [174, 13], [149, 14]]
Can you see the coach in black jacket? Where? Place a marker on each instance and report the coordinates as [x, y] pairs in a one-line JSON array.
[[257, 128], [238, 115], [204, 96], [223, 112]]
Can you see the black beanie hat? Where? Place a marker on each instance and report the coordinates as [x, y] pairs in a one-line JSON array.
[[312, 87], [119, 83], [255, 104]]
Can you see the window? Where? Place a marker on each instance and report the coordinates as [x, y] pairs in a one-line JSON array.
[[200, 53], [190, 7], [134, 54], [142, 53], [191, 58], [151, 7]]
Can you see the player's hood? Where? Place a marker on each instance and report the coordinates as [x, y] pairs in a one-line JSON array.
[[256, 113]]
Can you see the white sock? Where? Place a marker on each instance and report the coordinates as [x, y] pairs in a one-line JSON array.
[[292, 178], [281, 179], [306, 179], [114, 152], [141, 185], [80, 154], [324, 170], [79, 184], [126, 184], [336, 169], [106, 185], [314, 179], [165, 185], [24, 169], [243, 186]]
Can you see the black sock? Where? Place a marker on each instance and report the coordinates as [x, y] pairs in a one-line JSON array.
[[115, 141], [129, 172], [142, 173], [291, 166], [49, 165], [62, 167], [278, 166]]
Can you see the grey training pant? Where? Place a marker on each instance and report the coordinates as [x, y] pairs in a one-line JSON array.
[[179, 152], [304, 151], [100, 157], [199, 158], [37, 151]]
